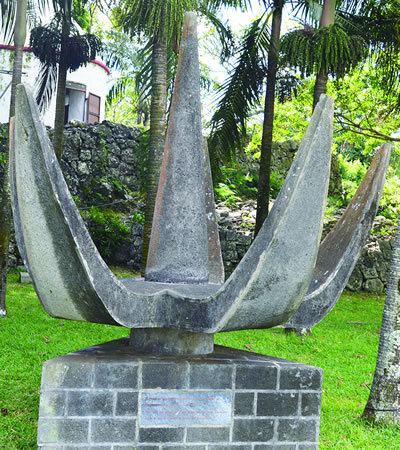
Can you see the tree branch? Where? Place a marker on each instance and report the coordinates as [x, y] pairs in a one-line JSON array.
[[349, 125]]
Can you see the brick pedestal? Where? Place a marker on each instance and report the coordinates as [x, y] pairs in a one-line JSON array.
[[110, 398]]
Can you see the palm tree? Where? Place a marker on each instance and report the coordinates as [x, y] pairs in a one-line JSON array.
[[266, 143], [60, 48], [160, 26], [335, 48], [58, 138], [383, 406], [327, 19], [5, 206], [240, 92], [161, 23]]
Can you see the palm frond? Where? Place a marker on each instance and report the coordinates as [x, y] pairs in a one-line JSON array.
[[224, 32], [118, 89], [33, 19], [308, 11], [237, 4], [7, 19], [143, 72], [45, 85], [328, 48], [239, 93], [154, 18], [379, 23]]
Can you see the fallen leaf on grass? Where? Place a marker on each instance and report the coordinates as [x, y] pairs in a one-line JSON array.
[[61, 324], [366, 384], [46, 339], [248, 346], [378, 331], [360, 356], [4, 411]]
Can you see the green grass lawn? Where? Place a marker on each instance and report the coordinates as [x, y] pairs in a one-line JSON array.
[[345, 350]]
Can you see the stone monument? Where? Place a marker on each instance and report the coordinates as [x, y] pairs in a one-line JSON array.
[[168, 386]]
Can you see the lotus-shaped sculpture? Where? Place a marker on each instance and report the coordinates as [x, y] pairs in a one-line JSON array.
[[183, 288]]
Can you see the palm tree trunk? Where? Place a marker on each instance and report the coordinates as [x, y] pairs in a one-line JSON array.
[[157, 135], [266, 143], [327, 19], [5, 204], [383, 406], [320, 86], [19, 41], [58, 138]]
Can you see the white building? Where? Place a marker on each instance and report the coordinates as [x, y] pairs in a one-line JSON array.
[[86, 88]]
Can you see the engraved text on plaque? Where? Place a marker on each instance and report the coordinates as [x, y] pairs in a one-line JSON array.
[[186, 408]]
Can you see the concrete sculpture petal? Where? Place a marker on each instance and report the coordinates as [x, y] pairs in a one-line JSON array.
[[340, 250], [73, 282]]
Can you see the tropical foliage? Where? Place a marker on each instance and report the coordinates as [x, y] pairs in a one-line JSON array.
[[334, 48], [330, 49], [46, 41]]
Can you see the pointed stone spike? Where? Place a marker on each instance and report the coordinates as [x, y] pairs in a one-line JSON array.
[[215, 261], [341, 248], [178, 250]]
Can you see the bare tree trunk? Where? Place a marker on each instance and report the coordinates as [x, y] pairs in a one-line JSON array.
[[327, 19], [5, 204], [383, 406], [157, 136], [58, 138], [266, 144]]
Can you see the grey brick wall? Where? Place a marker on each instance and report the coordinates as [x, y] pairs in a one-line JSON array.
[[94, 399]]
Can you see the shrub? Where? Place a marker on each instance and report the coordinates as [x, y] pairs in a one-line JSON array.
[[106, 229]]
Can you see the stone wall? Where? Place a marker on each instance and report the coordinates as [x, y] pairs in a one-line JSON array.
[[283, 154], [103, 164], [370, 273]]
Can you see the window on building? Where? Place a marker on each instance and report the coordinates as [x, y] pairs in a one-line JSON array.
[[93, 109], [75, 100]]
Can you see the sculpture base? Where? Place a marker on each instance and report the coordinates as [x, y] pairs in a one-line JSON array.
[[165, 341], [111, 397]]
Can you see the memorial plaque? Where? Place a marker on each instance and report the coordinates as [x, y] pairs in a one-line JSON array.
[[185, 408]]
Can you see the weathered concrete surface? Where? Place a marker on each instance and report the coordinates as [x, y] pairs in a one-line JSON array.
[[108, 397], [73, 281], [42, 209], [271, 280], [340, 250], [165, 341], [178, 249], [216, 271]]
